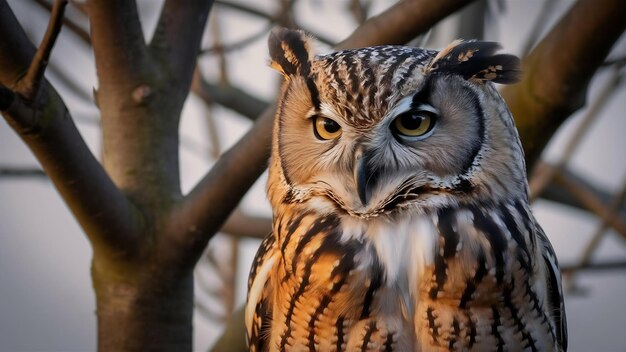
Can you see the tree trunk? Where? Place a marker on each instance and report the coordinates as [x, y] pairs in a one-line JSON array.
[[142, 310]]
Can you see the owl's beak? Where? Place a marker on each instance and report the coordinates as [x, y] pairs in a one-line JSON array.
[[365, 178]]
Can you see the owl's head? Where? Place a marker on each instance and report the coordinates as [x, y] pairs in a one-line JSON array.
[[376, 130]]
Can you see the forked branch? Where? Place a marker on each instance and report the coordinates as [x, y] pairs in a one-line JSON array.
[[43, 122]]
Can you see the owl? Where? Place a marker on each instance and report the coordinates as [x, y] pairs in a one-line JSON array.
[[401, 219]]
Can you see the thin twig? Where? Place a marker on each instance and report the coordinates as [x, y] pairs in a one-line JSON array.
[[273, 20], [603, 266], [210, 312], [226, 48], [244, 8], [71, 25], [214, 136], [616, 204], [31, 83], [591, 202], [225, 271], [11, 171], [230, 281], [217, 43]]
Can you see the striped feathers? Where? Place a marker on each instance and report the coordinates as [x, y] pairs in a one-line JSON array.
[[325, 287]]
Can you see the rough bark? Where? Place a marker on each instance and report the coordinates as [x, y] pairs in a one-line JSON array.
[[145, 301], [143, 283]]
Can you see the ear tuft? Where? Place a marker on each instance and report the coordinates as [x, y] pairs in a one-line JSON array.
[[290, 51], [476, 61]]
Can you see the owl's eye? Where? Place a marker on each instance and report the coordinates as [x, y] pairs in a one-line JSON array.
[[325, 128], [414, 123]]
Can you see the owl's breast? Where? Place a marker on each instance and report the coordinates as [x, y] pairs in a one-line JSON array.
[[331, 289], [434, 280]]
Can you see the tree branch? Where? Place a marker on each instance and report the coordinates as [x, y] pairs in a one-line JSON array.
[[140, 104], [16, 51], [555, 192], [558, 71], [228, 96], [541, 177], [608, 265], [177, 40], [401, 23], [589, 200], [204, 210], [47, 129], [240, 224], [119, 46]]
